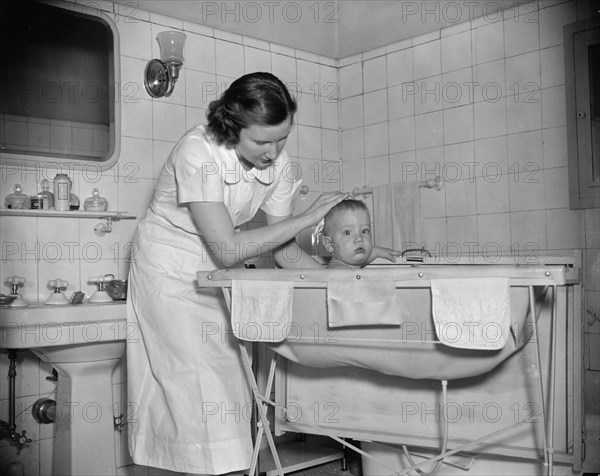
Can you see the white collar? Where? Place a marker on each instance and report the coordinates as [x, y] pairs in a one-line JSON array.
[[233, 171]]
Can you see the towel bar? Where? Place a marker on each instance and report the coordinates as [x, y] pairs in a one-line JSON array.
[[436, 183]]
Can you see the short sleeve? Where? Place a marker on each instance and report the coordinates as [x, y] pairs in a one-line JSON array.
[[281, 202], [197, 171]]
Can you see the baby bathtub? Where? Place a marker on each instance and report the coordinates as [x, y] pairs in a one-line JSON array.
[[407, 350], [410, 350]]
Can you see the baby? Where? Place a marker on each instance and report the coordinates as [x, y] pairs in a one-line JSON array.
[[347, 234]]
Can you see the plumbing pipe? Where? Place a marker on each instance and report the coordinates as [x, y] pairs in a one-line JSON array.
[[8, 430], [44, 410]]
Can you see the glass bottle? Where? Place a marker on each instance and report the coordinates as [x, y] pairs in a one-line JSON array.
[[74, 202], [47, 194], [17, 199], [95, 203]]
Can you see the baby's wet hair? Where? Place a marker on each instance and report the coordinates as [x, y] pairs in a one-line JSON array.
[[350, 204]]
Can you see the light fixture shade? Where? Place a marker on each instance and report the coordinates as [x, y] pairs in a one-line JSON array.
[[171, 46]]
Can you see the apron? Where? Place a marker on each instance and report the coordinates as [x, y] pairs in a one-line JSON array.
[[189, 400]]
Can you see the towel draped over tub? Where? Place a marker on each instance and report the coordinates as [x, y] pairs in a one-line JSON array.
[[395, 333]]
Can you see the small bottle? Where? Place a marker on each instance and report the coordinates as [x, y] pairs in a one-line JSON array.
[[95, 203], [74, 202], [62, 192], [49, 196]]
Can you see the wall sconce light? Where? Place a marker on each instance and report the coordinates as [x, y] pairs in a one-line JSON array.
[[160, 75]]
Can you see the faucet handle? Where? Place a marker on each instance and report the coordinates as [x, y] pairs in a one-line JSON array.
[[58, 284], [57, 297], [100, 281], [15, 281], [100, 295]]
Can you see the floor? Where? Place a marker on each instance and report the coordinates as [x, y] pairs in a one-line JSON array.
[[329, 469], [482, 466], [486, 466]]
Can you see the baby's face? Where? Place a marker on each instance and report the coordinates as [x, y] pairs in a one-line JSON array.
[[350, 234]]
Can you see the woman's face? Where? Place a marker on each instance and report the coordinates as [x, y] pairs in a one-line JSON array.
[[259, 146]]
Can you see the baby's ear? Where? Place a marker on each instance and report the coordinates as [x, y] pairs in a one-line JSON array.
[[328, 244]]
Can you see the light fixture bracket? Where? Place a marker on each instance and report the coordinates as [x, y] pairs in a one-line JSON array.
[[161, 74], [157, 79]]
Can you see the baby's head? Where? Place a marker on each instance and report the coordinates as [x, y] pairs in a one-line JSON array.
[[347, 233]]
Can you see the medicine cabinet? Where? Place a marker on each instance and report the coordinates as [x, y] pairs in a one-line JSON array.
[[57, 98], [582, 85]]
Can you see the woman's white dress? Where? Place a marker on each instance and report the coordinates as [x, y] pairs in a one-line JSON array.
[[188, 399]]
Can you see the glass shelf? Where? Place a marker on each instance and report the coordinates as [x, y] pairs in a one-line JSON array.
[[114, 215]]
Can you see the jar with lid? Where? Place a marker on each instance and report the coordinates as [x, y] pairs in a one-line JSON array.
[[62, 192], [95, 203], [17, 199]]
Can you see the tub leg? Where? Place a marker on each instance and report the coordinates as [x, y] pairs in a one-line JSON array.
[[345, 458], [550, 448], [547, 439], [261, 406], [260, 403]]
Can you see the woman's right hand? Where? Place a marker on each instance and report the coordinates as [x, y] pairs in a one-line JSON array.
[[321, 206]]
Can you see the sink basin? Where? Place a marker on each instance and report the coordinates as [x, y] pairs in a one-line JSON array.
[[84, 343], [50, 326]]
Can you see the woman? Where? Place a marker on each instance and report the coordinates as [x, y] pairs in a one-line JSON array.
[[185, 381]]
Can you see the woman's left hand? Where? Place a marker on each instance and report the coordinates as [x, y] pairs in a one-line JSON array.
[[386, 253]]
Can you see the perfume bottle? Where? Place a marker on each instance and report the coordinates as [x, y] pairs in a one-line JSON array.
[[17, 199], [95, 203]]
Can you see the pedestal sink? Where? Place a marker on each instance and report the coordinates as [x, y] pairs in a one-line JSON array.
[[84, 343]]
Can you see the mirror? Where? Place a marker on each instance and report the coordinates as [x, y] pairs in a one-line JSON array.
[[57, 98], [582, 86]]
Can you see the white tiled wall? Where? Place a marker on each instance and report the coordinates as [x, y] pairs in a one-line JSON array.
[[41, 249], [481, 104]]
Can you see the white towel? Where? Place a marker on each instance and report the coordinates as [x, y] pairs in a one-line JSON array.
[[261, 311], [397, 215], [472, 313], [361, 303]]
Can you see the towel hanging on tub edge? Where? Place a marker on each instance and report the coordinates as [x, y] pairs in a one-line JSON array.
[[261, 311], [362, 303], [471, 313]]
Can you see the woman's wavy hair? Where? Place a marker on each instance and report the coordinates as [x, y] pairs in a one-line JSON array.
[[253, 99]]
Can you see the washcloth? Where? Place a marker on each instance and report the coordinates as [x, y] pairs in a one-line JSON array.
[[360, 303], [397, 215], [472, 313], [261, 311]]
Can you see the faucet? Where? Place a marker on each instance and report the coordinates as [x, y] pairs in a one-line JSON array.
[[15, 282], [420, 258]]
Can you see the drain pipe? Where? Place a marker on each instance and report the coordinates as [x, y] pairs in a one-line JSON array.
[[44, 410], [8, 430]]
